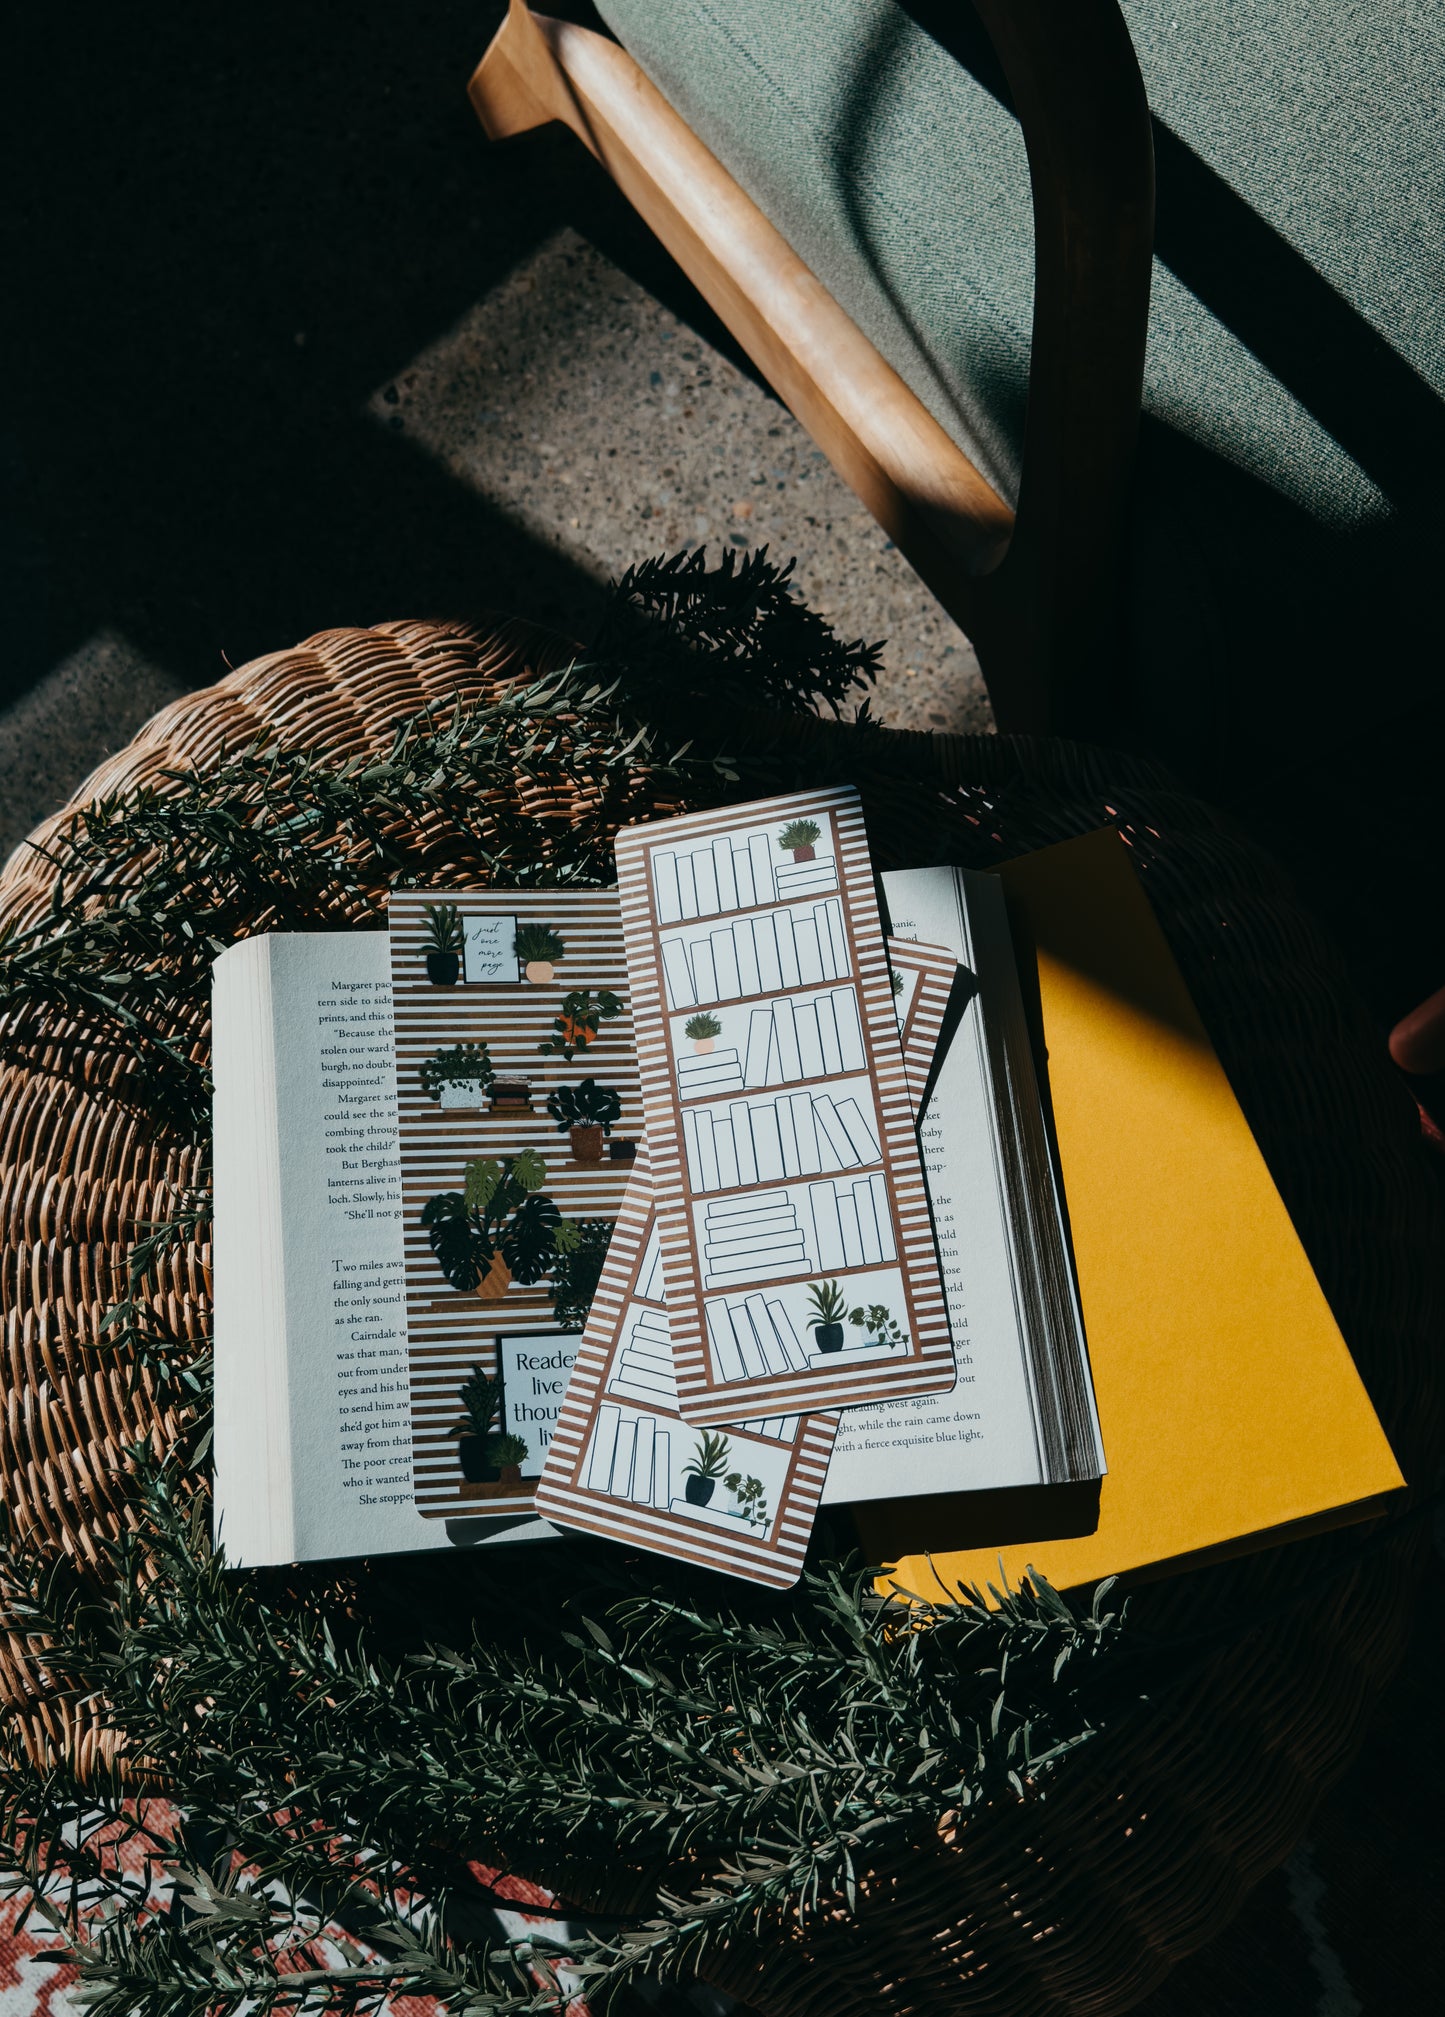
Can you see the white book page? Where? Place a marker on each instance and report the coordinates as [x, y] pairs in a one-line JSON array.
[[983, 1434], [340, 1212]]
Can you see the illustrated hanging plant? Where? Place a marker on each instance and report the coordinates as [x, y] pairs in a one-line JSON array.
[[707, 1465], [443, 944], [748, 1497], [799, 838], [829, 1308], [883, 1328], [459, 1077], [702, 1031], [578, 1020], [538, 949], [585, 1114], [577, 1269], [502, 1227]]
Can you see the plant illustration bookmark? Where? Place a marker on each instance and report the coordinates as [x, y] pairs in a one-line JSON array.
[[624, 1464], [518, 1104], [786, 1166]]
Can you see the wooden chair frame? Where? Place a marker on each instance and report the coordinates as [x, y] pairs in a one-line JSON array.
[[1038, 591]]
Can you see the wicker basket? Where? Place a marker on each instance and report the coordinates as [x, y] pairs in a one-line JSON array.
[[1151, 1839]]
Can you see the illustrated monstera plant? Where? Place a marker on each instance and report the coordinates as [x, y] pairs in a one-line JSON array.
[[500, 1228]]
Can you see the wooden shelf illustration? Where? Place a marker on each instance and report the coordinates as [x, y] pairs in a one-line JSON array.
[[802, 946], [732, 872], [758, 1141]]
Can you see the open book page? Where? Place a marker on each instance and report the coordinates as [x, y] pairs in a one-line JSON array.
[[313, 1454], [1022, 1412], [760, 926], [623, 1462], [516, 1083]]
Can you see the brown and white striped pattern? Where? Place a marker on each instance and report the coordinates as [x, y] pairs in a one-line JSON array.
[[564, 1494], [448, 1332], [927, 1366], [930, 971]]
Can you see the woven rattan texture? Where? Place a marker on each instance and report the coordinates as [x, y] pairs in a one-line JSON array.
[[1150, 1839]]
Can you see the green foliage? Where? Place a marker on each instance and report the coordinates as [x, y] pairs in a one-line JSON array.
[[709, 1458], [502, 1209], [586, 1104], [749, 1495], [481, 1397], [538, 942], [799, 833], [443, 927], [506, 1450], [464, 1064], [333, 1747], [698, 1028], [828, 1302], [732, 635], [577, 1268], [896, 982], [881, 1324], [746, 1760], [578, 1020]]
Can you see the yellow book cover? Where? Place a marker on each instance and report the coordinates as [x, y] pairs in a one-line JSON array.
[[1229, 1404]]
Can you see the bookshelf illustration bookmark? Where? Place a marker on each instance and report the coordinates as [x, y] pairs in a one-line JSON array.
[[622, 1462], [786, 1165]]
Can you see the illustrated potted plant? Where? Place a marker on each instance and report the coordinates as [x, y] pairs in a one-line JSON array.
[[500, 1228], [538, 949], [829, 1309], [511, 1095], [581, 1250], [799, 838], [459, 1077], [883, 1328], [585, 1114], [703, 1031], [443, 944], [509, 1453], [481, 1398], [748, 1498], [707, 1465], [578, 1020]]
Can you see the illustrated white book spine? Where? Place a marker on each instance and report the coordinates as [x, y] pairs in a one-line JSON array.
[[724, 1142], [743, 1143], [726, 1353], [790, 1064], [726, 881], [704, 976], [828, 1034], [767, 1143], [765, 943], [765, 887], [861, 1137], [806, 1132], [725, 964], [810, 962], [704, 869], [669, 901], [760, 1045], [687, 886], [851, 1053], [743, 878], [604, 1448], [788, 967], [678, 975], [775, 1359], [749, 979], [810, 1043]]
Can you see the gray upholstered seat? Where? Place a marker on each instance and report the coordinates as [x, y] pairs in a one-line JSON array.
[[1292, 393]]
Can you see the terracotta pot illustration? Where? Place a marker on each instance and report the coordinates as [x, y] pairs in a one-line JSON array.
[[472, 1450], [702, 1045], [699, 1490], [443, 968], [805, 853], [512, 1095], [829, 1337], [512, 1479], [495, 1281], [539, 972], [586, 1142]]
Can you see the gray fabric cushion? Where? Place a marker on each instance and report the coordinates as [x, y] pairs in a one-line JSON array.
[[1295, 355]]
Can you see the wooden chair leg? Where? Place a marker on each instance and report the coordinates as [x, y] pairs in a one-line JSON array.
[[1034, 599]]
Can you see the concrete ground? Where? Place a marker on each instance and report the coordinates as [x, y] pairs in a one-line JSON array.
[[296, 349], [298, 357]]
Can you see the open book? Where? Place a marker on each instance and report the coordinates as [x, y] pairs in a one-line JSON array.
[[314, 1432]]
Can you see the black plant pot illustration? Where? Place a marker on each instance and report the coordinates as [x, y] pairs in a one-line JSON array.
[[475, 1469], [699, 1490], [442, 968], [829, 1336]]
